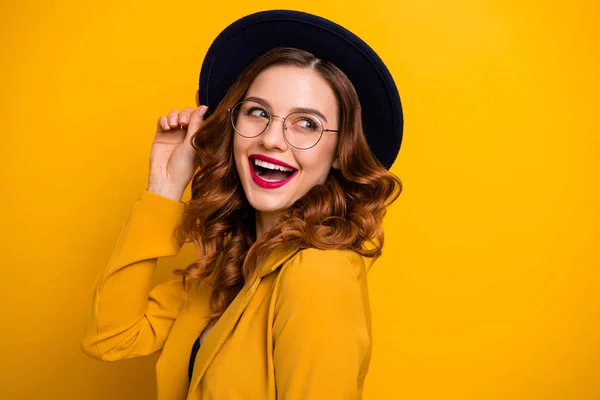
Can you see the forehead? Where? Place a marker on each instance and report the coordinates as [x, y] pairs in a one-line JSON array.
[[286, 87]]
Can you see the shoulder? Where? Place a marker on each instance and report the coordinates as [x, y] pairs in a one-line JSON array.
[[324, 288], [315, 260], [329, 261], [317, 270]]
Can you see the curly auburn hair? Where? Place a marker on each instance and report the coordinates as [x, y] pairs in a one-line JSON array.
[[345, 212]]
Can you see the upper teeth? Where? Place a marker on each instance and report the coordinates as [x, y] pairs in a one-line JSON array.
[[269, 165]]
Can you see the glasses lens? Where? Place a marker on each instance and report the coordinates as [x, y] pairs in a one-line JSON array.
[[303, 130], [249, 118]]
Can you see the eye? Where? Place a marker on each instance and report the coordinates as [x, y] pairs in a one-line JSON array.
[[257, 112], [307, 123]]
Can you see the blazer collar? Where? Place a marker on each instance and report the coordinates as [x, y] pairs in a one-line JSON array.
[[222, 329], [277, 257]]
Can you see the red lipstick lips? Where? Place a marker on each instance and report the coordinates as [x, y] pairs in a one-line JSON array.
[[271, 160], [267, 184]]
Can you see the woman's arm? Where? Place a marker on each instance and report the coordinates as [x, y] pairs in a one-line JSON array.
[[128, 318], [322, 326]]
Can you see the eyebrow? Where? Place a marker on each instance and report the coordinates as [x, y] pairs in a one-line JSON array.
[[295, 109]]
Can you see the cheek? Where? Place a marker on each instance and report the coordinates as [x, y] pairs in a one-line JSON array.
[[238, 154], [318, 163], [236, 145], [239, 147]]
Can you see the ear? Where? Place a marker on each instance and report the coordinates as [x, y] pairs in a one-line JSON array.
[[336, 163], [197, 98]]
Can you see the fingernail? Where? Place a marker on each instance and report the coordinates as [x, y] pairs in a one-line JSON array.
[[202, 110], [184, 119]]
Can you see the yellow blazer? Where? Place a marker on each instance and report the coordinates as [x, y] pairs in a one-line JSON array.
[[302, 330]]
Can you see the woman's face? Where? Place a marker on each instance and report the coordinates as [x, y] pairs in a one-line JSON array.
[[283, 90]]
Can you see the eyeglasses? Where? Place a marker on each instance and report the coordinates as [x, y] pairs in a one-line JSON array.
[[301, 130]]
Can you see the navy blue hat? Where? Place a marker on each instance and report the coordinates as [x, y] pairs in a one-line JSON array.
[[251, 36]]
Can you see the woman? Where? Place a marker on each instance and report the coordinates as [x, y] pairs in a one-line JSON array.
[[288, 196]]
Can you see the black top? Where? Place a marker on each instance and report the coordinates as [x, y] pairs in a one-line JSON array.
[[195, 349]]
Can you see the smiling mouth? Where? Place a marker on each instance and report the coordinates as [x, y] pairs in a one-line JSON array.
[[269, 175], [270, 172]]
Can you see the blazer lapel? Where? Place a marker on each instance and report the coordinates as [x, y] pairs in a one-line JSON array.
[[222, 329]]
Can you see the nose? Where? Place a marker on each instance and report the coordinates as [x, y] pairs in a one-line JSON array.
[[273, 137]]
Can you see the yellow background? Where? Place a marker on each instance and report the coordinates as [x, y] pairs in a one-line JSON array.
[[489, 286]]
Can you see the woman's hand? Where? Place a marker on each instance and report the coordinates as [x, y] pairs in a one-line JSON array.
[[172, 156]]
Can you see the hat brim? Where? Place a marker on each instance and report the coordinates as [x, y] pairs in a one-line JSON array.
[[251, 36]]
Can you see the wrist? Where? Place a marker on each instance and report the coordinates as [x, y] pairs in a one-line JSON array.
[[165, 191]]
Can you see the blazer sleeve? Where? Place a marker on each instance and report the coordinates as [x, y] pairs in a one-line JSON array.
[[322, 326], [128, 318]]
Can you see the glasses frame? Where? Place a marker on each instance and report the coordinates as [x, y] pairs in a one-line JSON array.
[[271, 116]]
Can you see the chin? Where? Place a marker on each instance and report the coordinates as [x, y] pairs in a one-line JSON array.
[[265, 206]]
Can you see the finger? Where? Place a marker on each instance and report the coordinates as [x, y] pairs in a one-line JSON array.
[[173, 118], [196, 120], [163, 124], [185, 115]]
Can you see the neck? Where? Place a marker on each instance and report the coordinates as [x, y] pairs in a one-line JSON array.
[[265, 221]]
